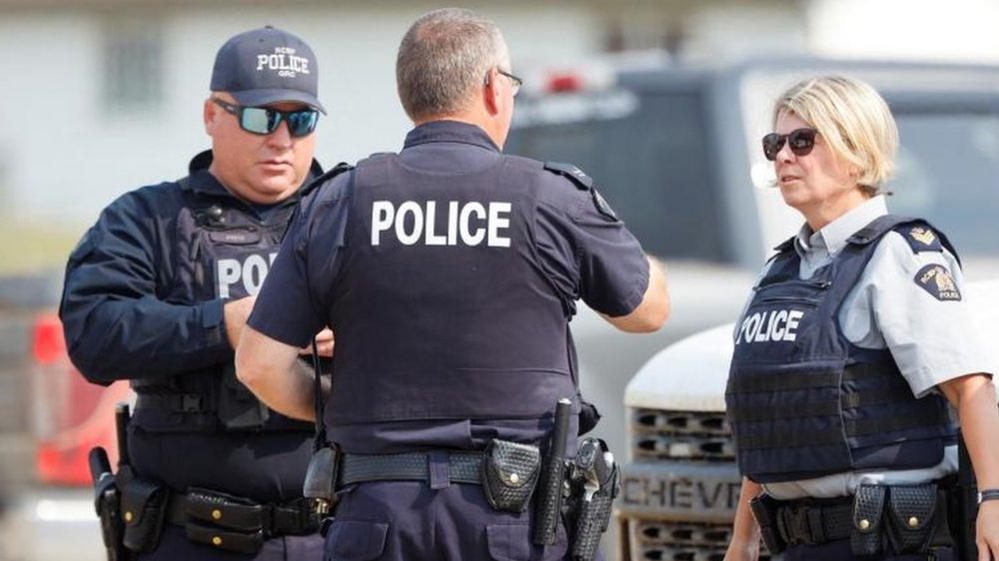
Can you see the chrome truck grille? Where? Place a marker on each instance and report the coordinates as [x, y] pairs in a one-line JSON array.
[[681, 435], [681, 488]]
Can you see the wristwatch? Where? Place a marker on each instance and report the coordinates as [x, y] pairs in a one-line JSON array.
[[988, 495]]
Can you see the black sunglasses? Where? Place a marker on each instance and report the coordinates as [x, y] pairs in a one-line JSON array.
[[800, 141], [264, 120]]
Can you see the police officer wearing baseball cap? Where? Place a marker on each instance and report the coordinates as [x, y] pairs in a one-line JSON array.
[[157, 292], [449, 273]]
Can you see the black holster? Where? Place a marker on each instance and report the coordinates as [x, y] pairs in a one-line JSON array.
[[143, 506], [107, 502], [764, 509], [591, 486], [594, 519]]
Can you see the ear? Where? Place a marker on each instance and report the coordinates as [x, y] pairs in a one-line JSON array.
[[208, 113], [491, 93]]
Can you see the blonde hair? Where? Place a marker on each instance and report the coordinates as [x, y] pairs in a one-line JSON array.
[[853, 119]]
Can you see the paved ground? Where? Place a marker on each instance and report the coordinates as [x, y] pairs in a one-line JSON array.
[[47, 524]]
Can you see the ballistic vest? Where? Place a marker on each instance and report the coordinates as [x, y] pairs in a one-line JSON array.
[[222, 251], [803, 401], [441, 307]]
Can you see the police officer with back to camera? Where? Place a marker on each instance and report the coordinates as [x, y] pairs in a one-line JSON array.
[[158, 292], [855, 341], [449, 273]]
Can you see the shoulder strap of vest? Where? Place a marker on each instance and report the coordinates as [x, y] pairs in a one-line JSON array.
[[572, 173], [373, 170], [782, 248], [852, 260], [783, 264], [876, 229]]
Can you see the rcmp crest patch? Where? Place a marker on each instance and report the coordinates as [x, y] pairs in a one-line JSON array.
[[938, 282]]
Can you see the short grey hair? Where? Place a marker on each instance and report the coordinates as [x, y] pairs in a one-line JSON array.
[[443, 60]]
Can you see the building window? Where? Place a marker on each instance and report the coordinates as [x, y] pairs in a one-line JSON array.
[[133, 65]]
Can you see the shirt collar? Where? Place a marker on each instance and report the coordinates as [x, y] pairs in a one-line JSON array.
[[449, 131], [833, 237]]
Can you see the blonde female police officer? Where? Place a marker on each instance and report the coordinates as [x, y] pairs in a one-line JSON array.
[[855, 339]]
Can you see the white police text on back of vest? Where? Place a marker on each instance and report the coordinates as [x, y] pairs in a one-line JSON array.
[[773, 325], [468, 224]]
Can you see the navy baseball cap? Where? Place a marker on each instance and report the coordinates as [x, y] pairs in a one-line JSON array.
[[267, 65]]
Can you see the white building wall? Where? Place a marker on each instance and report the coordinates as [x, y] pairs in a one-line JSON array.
[[961, 30], [67, 156]]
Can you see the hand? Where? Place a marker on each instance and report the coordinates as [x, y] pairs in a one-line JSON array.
[[742, 551], [987, 531], [324, 343], [235, 314]]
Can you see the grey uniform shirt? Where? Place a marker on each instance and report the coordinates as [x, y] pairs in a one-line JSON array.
[[931, 340]]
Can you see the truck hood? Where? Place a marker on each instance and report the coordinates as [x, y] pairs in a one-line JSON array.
[[690, 375]]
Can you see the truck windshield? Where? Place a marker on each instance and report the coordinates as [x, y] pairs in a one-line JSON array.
[[948, 171], [650, 162]]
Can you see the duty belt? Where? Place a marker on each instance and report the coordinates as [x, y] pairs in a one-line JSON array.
[[815, 522], [173, 402], [463, 467]]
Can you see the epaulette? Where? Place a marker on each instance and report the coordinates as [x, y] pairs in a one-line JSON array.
[[572, 173], [920, 236], [337, 170], [326, 176]]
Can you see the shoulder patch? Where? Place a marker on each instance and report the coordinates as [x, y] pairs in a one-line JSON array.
[[602, 207], [938, 282], [572, 173], [920, 237]]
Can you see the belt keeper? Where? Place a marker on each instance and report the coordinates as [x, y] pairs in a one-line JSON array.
[[190, 403], [816, 532], [267, 520], [438, 464]]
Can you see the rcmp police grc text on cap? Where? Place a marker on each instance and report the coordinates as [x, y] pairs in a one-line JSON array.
[[267, 65]]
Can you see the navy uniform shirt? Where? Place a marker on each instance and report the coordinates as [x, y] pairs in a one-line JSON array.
[[584, 254], [131, 310]]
